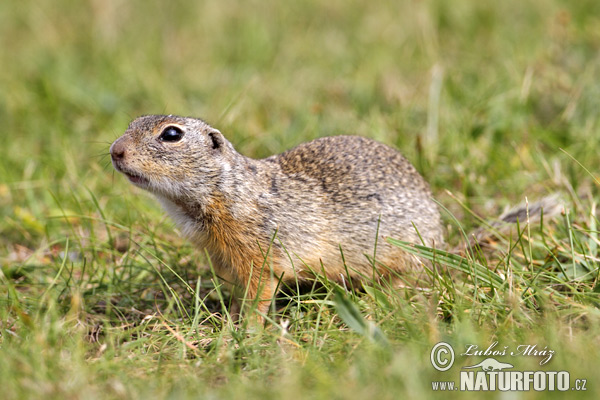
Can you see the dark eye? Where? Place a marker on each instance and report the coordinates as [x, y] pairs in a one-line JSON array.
[[171, 134]]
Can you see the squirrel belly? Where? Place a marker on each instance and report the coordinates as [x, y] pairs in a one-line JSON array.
[[313, 208]]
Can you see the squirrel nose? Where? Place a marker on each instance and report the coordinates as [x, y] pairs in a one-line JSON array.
[[117, 150]]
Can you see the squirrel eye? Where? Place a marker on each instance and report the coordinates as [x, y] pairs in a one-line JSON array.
[[171, 134]]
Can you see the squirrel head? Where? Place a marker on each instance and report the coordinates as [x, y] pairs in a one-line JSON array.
[[172, 156]]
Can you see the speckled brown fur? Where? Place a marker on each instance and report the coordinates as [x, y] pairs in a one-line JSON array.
[[331, 192]]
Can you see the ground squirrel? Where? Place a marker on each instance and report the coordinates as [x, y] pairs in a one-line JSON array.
[[285, 216]]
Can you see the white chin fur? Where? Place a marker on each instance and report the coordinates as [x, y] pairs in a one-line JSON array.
[[187, 225]]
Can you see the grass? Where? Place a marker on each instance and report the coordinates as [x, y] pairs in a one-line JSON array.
[[101, 298]]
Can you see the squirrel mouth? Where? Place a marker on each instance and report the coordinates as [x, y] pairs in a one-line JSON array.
[[136, 179]]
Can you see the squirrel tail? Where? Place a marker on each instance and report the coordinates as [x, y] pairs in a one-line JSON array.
[[549, 206], [525, 213]]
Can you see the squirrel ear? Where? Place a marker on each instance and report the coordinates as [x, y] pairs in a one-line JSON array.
[[216, 139]]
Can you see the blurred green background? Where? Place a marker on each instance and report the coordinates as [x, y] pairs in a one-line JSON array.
[[481, 96], [462, 88]]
